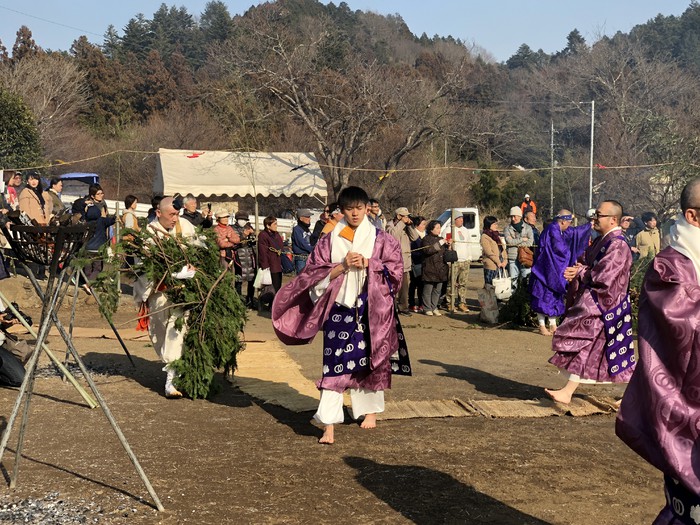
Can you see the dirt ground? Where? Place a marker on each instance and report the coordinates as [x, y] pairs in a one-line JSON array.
[[234, 459]]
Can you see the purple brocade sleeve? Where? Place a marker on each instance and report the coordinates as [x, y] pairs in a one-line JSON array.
[[295, 317], [660, 413], [578, 238]]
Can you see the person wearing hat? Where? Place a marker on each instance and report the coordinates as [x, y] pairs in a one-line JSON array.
[[301, 239], [226, 237], [245, 257], [528, 205], [401, 228], [517, 234], [648, 240]]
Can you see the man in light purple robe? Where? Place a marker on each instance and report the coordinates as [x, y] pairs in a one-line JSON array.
[[594, 343], [660, 413], [346, 290], [559, 247]]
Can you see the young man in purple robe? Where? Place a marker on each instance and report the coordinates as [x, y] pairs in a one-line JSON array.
[[594, 343], [346, 290], [560, 244], [660, 413]]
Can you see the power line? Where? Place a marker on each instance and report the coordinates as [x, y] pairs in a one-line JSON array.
[[49, 21]]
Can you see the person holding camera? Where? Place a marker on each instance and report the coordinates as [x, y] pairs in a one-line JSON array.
[[435, 269], [196, 218], [98, 219], [245, 257]]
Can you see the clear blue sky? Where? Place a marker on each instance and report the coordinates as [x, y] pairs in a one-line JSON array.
[[498, 26]]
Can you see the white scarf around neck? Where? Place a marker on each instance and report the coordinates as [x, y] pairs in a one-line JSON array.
[[363, 243], [685, 239]]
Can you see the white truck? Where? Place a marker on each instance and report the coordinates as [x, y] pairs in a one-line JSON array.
[[472, 223]]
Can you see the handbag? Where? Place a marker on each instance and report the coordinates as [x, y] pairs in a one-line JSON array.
[[417, 270], [525, 256], [449, 256], [488, 304], [502, 285], [262, 278]]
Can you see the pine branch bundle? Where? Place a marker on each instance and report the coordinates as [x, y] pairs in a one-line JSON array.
[[215, 316]]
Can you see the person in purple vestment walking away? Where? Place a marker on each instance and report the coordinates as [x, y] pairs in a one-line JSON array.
[[347, 290], [594, 343], [660, 413], [557, 243]]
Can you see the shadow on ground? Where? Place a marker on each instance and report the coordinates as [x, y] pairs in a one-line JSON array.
[[430, 497], [487, 383], [150, 375]]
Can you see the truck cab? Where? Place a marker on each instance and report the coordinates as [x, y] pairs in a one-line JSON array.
[[471, 223]]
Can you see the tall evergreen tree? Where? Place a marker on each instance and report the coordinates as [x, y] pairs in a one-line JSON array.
[[24, 45], [19, 138], [215, 22]]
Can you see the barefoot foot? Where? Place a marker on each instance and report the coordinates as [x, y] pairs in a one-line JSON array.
[[370, 421], [327, 437], [543, 330], [559, 396]]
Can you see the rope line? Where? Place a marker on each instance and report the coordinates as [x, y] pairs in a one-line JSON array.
[[374, 170]]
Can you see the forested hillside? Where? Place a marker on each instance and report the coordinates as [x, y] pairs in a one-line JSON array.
[[426, 122]]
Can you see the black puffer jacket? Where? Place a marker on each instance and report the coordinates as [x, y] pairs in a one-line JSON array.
[[435, 270]]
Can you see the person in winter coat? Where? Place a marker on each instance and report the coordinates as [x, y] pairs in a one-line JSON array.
[[96, 216], [492, 247], [435, 270], [270, 246], [37, 204], [226, 238], [245, 257], [301, 239]]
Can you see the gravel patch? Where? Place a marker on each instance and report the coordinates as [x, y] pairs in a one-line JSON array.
[[49, 510]]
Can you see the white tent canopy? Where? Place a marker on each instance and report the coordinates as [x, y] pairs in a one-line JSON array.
[[223, 173]]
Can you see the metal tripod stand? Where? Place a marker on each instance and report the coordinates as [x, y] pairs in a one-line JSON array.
[[54, 246]]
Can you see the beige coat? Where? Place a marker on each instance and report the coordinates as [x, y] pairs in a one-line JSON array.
[[29, 204], [405, 234], [492, 252], [648, 242]]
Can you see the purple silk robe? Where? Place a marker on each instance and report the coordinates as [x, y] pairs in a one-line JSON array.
[[297, 320], [660, 413], [557, 250], [579, 343]]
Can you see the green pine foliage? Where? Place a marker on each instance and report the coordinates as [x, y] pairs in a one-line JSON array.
[[215, 315]]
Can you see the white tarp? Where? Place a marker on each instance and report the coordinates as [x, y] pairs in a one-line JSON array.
[[223, 173]]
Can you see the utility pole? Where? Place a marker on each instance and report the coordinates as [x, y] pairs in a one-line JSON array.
[[590, 176], [551, 170]]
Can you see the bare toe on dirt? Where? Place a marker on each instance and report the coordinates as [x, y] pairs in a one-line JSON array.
[[370, 421], [327, 437], [556, 395]]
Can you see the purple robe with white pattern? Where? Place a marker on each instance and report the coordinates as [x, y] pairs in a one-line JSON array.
[[297, 320], [579, 343], [660, 413]]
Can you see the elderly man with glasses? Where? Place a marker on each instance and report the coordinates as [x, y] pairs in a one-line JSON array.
[[595, 343]]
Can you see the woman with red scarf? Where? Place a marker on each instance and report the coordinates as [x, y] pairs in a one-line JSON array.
[[493, 249]]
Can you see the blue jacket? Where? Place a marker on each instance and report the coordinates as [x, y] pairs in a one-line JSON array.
[[301, 239], [93, 215]]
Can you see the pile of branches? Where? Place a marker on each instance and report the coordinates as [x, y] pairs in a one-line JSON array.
[[216, 314]]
